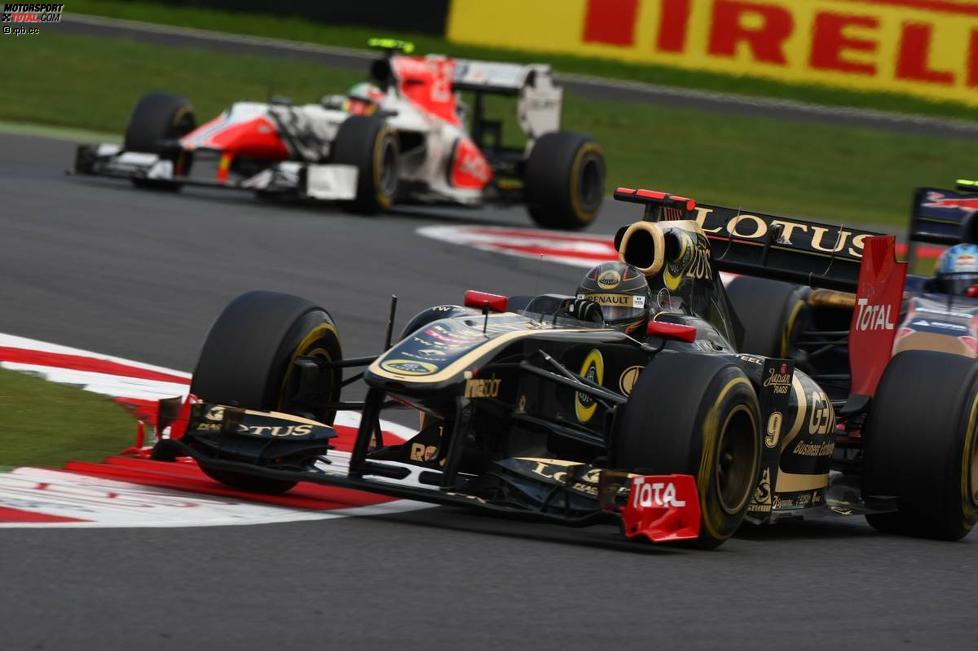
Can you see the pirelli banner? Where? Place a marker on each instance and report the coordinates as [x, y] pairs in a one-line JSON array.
[[927, 48]]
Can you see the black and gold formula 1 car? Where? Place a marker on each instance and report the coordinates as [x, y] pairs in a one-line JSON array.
[[535, 407]]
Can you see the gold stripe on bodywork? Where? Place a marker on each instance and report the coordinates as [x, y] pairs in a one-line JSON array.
[[789, 482], [800, 414], [279, 415], [470, 358], [711, 433]]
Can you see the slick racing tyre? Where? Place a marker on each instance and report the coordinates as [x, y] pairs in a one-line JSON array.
[[563, 181], [157, 118], [697, 415], [371, 145], [919, 445], [768, 311], [248, 360]]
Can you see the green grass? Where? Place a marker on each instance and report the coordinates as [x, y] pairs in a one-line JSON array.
[[47, 424], [298, 29], [858, 176], [93, 83]]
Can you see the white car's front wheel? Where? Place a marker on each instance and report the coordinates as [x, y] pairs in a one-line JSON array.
[[370, 145]]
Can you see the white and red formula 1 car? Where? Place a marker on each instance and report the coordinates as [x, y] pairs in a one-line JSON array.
[[403, 136]]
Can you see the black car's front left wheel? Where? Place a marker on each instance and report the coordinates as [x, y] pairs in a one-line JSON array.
[[249, 360]]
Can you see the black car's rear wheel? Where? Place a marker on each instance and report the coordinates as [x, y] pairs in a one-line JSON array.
[[697, 415], [249, 360], [768, 310]]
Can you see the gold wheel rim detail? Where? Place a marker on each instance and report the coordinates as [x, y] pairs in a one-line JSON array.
[[733, 473]]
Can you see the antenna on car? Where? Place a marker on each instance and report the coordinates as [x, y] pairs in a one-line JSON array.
[[485, 314], [390, 322], [536, 282], [773, 237], [730, 237], [835, 251]]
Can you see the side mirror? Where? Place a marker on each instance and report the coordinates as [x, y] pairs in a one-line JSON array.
[[480, 300], [675, 331]]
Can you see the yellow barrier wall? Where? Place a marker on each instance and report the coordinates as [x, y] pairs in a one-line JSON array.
[[927, 48]]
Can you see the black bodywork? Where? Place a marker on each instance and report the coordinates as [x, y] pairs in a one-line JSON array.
[[519, 404]]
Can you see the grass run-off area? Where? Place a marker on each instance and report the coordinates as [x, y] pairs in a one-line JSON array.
[[299, 29], [47, 424], [801, 168]]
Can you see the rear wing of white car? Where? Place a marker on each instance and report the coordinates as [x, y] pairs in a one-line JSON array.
[[498, 78], [539, 100]]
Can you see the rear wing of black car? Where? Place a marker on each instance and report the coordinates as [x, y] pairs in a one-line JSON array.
[[769, 246], [939, 216]]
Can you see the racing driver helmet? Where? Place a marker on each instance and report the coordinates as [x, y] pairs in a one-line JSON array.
[[957, 270], [622, 293]]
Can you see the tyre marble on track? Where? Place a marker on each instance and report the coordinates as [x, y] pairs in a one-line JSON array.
[[99, 265]]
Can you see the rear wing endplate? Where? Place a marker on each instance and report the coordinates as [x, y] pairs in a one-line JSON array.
[[539, 100]]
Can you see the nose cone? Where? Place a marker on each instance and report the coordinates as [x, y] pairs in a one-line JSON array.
[[243, 130]]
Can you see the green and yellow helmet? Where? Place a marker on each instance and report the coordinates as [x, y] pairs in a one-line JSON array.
[[622, 292]]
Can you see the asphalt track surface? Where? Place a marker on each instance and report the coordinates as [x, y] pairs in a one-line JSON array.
[[100, 265]]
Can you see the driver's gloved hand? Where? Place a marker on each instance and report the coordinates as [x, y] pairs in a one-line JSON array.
[[583, 309]]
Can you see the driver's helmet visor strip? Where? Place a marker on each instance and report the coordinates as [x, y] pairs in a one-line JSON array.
[[619, 307]]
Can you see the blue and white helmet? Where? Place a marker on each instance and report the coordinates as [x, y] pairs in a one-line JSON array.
[[957, 269]]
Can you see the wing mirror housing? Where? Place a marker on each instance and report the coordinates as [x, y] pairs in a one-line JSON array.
[[676, 331], [481, 300]]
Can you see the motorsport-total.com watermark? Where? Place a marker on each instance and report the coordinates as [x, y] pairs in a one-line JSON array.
[[22, 18]]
